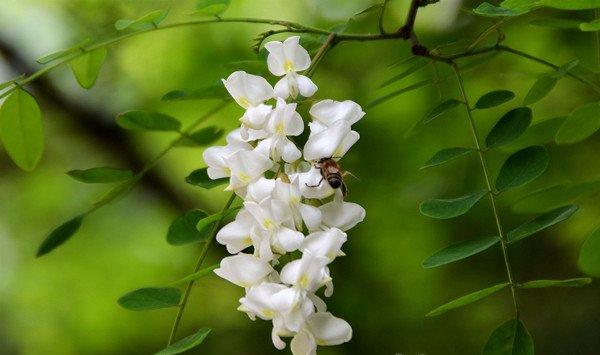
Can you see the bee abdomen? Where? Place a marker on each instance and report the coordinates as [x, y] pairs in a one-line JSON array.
[[335, 180]]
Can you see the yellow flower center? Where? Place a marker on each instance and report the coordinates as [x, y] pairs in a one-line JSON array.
[[288, 66]]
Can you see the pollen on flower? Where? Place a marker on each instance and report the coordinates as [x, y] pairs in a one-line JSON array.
[[244, 102], [280, 128], [268, 223], [245, 178], [288, 66]]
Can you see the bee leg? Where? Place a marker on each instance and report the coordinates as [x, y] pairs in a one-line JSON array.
[[317, 185], [344, 189]]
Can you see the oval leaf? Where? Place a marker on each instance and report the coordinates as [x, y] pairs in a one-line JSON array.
[[215, 90], [510, 127], [100, 175], [522, 167], [202, 137], [439, 110], [446, 155], [87, 67], [200, 178], [197, 275], [560, 23], [60, 235], [183, 229], [555, 196], [556, 283], [589, 256], [150, 298], [581, 123], [459, 251], [60, 54], [212, 7], [467, 299], [150, 20], [21, 129], [151, 121], [494, 98], [542, 222], [205, 223], [415, 67], [540, 89], [450, 208], [488, 10], [510, 338], [186, 343]]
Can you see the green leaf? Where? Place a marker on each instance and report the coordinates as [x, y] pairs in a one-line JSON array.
[[460, 250], [450, 208], [21, 129], [202, 137], [537, 134], [212, 7], [446, 155], [556, 283], [589, 256], [494, 98], [542, 87], [384, 98], [214, 90], [541, 222], [147, 298], [183, 229], [415, 67], [150, 20], [510, 338], [205, 223], [510, 127], [467, 299], [438, 110], [197, 275], [488, 10], [186, 343], [368, 9], [87, 67], [591, 26], [559, 23], [60, 235], [570, 4], [200, 178], [581, 123], [60, 54], [565, 68], [100, 175], [555, 196], [522, 167], [145, 120]]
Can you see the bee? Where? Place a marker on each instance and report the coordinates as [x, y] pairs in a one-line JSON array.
[[333, 173]]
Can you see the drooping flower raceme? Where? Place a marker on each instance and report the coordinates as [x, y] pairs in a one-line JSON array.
[[292, 224]]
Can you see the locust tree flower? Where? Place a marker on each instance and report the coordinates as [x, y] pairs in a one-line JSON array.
[[326, 112], [215, 157], [321, 328], [284, 121], [331, 142], [248, 90], [286, 59], [308, 273], [325, 243], [244, 270], [341, 214], [246, 166], [290, 194]]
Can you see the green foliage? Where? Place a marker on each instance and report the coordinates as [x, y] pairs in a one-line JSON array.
[[560, 23], [200, 178], [467, 299], [450, 208], [438, 110], [540, 89], [509, 8], [197, 275], [582, 281], [150, 20], [206, 223], [510, 338], [63, 53], [554, 196], [510, 127], [186, 343], [581, 123], [541, 222], [537, 134], [420, 63], [212, 7], [591, 26], [384, 98], [459, 251], [87, 67], [488, 10], [148, 298], [202, 137], [494, 98], [446, 155], [150, 121], [589, 256], [522, 167], [183, 229], [214, 90], [60, 235], [21, 129], [100, 175]]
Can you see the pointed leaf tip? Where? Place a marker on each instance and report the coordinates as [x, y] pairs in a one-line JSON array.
[[460, 250], [509, 338], [450, 208], [522, 167], [148, 298], [60, 235], [186, 343]]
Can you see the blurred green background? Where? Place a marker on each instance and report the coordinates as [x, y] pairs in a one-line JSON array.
[[65, 302]]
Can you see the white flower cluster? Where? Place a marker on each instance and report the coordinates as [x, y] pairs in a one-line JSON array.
[[297, 200]]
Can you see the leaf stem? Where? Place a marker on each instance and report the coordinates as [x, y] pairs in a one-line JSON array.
[[486, 174], [329, 42], [190, 284]]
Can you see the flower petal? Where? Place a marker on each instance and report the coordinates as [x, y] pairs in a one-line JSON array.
[[341, 214], [306, 87], [328, 329], [244, 270], [328, 112], [325, 143]]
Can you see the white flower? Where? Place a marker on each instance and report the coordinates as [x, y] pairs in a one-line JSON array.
[[253, 122], [326, 112], [259, 301], [341, 214], [215, 157], [331, 142], [325, 243], [313, 185], [308, 273], [290, 194], [248, 90], [321, 328], [246, 166], [236, 235], [284, 121], [244, 270], [260, 190], [286, 59]]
